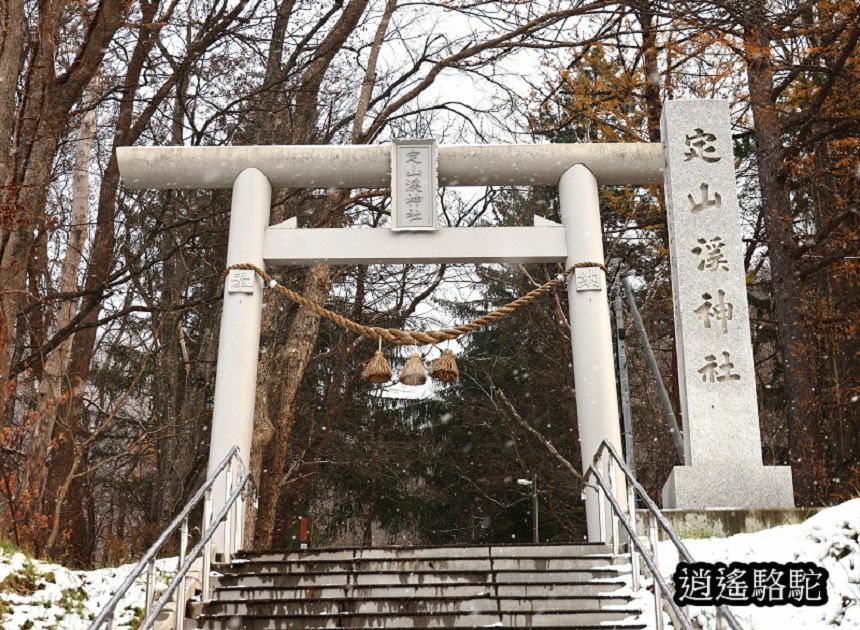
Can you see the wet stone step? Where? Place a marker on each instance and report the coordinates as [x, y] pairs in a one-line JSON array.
[[346, 578], [499, 551], [257, 624], [412, 606], [428, 578], [561, 590], [243, 592], [548, 551], [517, 586], [584, 619], [563, 577], [362, 565], [496, 551]]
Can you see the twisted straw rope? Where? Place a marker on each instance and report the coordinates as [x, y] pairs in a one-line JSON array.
[[412, 337]]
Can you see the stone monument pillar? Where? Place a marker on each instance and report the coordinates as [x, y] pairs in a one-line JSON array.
[[716, 372]]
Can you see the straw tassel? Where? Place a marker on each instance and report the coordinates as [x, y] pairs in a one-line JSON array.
[[413, 372], [445, 368], [377, 369]]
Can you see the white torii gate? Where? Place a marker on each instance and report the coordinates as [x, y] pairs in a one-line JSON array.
[[577, 169]]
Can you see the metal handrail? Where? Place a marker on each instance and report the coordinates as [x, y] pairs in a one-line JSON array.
[[179, 578], [232, 512], [628, 521]]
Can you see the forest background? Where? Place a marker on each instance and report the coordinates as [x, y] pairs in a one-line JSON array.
[[110, 298]]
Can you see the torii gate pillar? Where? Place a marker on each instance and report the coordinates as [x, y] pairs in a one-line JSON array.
[[591, 334], [239, 339]]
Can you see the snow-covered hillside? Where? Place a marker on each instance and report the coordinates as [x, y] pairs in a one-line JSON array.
[[39, 595], [830, 539]]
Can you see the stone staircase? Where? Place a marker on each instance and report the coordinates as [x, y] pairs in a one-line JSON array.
[[517, 586]]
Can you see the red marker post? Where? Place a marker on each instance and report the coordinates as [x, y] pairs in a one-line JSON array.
[[304, 531]]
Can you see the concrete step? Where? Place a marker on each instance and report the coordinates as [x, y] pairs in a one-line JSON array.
[[583, 589], [244, 593], [410, 565], [516, 586], [381, 553], [426, 578], [602, 619], [412, 606]]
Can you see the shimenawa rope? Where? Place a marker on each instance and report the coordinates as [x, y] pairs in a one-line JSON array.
[[413, 337]]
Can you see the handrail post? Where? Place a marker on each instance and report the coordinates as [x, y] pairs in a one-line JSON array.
[[611, 483], [634, 559], [150, 585], [660, 585], [180, 592], [227, 530], [601, 516], [207, 548], [238, 523], [652, 538]]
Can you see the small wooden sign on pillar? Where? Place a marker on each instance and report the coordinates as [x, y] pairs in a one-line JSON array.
[[716, 370], [414, 183]]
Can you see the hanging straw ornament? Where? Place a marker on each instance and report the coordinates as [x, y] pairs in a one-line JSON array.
[[413, 372], [445, 368], [377, 369]]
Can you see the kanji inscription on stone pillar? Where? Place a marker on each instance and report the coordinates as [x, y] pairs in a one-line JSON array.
[[716, 371]]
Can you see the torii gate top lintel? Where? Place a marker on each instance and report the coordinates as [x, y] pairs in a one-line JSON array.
[[369, 166]]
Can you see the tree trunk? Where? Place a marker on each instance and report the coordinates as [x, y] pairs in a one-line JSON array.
[[47, 106], [51, 386], [12, 29], [296, 353], [367, 536], [797, 358], [650, 68], [271, 447]]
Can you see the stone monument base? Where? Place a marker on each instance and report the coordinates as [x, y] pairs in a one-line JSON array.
[[724, 522], [733, 486]]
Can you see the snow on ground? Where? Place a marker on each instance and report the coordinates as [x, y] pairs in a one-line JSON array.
[[830, 539], [69, 600]]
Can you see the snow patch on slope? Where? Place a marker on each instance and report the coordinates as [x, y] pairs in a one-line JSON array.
[[830, 539], [70, 600]]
